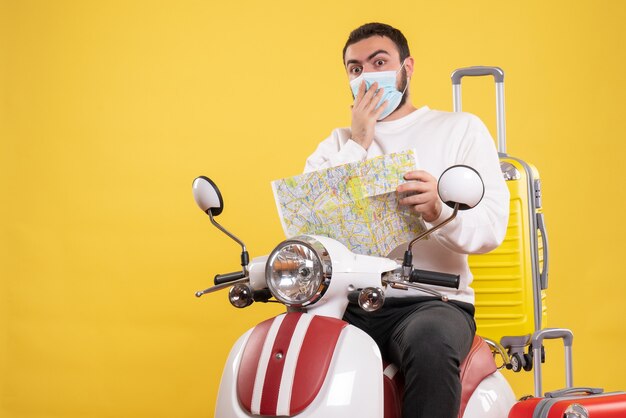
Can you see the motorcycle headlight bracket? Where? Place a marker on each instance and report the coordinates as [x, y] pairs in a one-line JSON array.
[[298, 271]]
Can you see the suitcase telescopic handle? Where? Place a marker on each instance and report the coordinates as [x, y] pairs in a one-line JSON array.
[[574, 391], [536, 343], [479, 71]]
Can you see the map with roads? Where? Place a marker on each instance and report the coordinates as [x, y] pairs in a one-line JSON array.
[[355, 203]]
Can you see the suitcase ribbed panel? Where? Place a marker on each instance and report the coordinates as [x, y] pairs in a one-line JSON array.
[[504, 279]]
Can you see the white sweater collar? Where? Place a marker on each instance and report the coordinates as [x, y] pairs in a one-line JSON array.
[[400, 124]]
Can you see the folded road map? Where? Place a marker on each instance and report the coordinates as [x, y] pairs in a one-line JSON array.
[[354, 203]]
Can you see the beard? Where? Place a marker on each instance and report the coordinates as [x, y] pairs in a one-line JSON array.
[[403, 86]]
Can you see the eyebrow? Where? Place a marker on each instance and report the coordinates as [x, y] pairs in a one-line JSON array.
[[372, 55]]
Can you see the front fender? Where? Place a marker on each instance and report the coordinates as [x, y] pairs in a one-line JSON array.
[[351, 385]]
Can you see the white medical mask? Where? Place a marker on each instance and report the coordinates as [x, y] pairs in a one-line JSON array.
[[386, 80]]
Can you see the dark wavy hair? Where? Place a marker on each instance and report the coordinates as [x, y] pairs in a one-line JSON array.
[[379, 29]]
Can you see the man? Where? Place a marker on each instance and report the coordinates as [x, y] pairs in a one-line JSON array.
[[426, 337]]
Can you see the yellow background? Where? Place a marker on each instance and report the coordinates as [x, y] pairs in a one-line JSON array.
[[109, 109]]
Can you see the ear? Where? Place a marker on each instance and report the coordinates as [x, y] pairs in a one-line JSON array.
[[409, 65]]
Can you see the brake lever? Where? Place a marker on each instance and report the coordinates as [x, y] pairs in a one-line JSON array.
[[221, 286], [402, 284]]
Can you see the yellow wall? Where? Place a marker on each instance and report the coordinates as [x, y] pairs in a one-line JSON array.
[[109, 109]]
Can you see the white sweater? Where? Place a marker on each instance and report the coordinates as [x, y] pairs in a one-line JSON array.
[[441, 139]]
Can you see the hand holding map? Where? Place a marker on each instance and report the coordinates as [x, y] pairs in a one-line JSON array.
[[355, 204]]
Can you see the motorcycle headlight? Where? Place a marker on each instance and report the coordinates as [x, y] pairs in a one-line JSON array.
[[298, 271]]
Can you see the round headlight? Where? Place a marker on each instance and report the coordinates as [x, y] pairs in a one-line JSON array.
[[298, 271]]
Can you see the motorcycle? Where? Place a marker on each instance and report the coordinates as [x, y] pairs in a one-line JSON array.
[[308, 362]]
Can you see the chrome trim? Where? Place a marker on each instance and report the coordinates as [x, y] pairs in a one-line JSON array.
[[212, 289], [498, 76], [536, 344], [496, 348], [374, 296], [405, 285], [233, 237], [321, 253], [435, 228], [509, 171], [224, 230], [576, 410], [240, 295], [394, 280]]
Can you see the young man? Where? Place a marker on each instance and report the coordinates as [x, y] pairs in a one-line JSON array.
[[426, 337]]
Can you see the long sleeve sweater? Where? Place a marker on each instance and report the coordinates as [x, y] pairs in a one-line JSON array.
[[441, 139]]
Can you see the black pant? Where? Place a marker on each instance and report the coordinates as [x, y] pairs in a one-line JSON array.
[[428, 339]]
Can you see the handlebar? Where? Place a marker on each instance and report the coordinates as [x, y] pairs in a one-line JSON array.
[[435, 278], [228, 277]]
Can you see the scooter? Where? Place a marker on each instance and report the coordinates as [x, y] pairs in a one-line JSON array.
[[308, 362]]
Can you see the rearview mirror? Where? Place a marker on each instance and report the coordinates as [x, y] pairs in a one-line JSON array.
[[207, 196], [461, 184]]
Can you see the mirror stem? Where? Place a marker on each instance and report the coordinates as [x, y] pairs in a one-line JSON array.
[[407, 264], [433, 229], [245, 258]]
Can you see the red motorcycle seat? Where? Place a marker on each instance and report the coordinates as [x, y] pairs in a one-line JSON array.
[[478, 364]]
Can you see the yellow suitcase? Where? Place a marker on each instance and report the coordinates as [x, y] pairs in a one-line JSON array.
[[510, 282]]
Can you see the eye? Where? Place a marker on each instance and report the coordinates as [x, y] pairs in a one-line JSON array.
[[380, 62], [356, 70]]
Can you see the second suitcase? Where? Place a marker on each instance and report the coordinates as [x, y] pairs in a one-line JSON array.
[[572, 403]]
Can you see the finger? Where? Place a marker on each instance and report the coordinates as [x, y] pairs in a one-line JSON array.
[[416, 199], [375, 100], [419, 207], [361, 92], [381, 108], [419, 175], [371, 92], [423, 208], [365, 99], [415, 187]]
